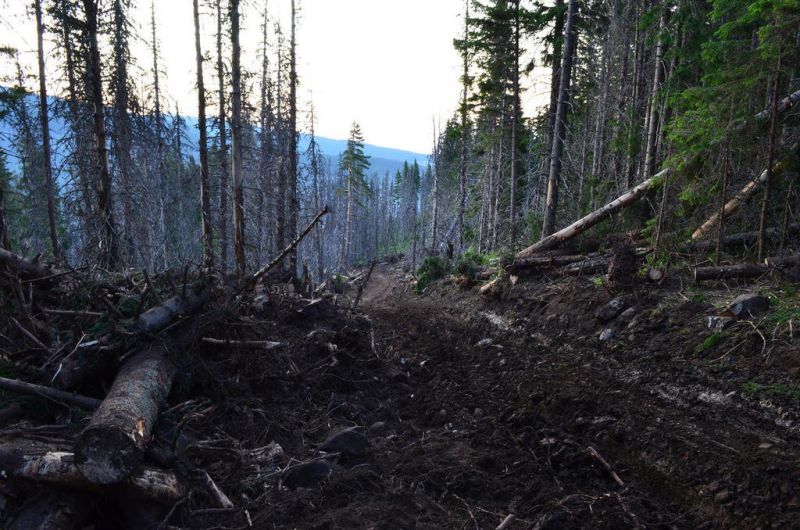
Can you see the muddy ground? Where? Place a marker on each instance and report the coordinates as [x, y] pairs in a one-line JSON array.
[[475, 408], [468, 408]]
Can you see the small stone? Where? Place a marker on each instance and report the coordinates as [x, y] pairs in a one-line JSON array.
[[614, 308], [478, 413], [443, 413], [628, 314], [350, 442], [484, 343], [748, 305], [378, 427], [723, 497], [719, 324], [607, 335], [308, 475]]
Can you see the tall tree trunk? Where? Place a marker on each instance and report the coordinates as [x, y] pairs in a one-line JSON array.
[[122, 144], [314, 160], [559, 39], [462, 170], [348, 220], [435, 192], [514, 123], [205, 189], [161, 175], [280, 168], [223, 149], [236, 143], [653, 122], [47, 157], [109, 252], [773, 133], [294, 206], [560, 129]]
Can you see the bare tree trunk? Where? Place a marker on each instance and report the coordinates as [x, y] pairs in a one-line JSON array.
[[435, 191], [512, 216], [109, 253], [773, 130], [658, 78], [161, 175], [5, 240], [205, 189], [462, 170], [223, 149], [122, 143], [294, 206], [236, 143], [47, 156], [560, 130]]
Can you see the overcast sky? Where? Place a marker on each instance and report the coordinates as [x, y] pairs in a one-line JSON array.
[[388, 64]]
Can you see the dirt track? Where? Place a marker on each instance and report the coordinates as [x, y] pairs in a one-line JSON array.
[[489, 430]]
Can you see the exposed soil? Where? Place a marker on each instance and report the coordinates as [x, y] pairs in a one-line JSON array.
[[470, 408]]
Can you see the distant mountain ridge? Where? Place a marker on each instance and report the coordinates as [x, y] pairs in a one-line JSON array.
[[382, 159]]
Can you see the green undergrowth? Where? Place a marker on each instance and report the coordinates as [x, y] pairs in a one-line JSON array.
[[776, 390], [432, 269], [709, 342]]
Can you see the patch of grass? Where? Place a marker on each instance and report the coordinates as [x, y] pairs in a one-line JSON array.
[[709, 342], [432, 269], [785, 306], [776, 389]]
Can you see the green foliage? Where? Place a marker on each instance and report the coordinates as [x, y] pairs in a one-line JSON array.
[[432, 269], [778, 390], [785, 307], [709, 342]]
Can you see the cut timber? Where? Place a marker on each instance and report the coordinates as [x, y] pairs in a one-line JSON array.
[[783, 105], [781, 262], [745, 270], [47, 464], [737, 201], [59, 396], [589, 266], [112, 445], [24, 268], [745, 239], [536, 262], [53, 510], [595, 217], [159, 317]]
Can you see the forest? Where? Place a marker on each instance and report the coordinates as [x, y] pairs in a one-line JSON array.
[[578, 312]]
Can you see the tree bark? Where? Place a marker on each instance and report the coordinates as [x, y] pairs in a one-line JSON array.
[[112, 445], [205, 188], [46, 154], [223, 149], [773, 130], [24, 268], [514, 124], [294, 205], [560, 128], [59, 396], [46, 463], [462, 168], [746, 270], [593, 218], [122, 141], [236, 143], [109, 252]]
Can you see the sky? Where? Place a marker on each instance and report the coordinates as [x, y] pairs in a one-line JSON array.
[[389, 65]]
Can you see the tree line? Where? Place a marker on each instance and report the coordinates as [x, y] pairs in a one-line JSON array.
[[698, 86]]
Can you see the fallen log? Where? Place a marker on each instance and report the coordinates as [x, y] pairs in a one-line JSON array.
[[589, 266], [112, 446], [526, 264], [744, 270], [737, 200], [47, 464], [783, 105], [781, 262], [581, 225], [159, 317], [52, 510], [58, 396], [744, 239], [26, 269]]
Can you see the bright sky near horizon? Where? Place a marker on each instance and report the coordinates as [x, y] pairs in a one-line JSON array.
[[387, 64]]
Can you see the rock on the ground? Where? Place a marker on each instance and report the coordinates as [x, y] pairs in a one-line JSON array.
[[629, 314], [484, 343], [607, 335], [350, 442], [719, 323], [308, 474], [614, 308], [748, 305]]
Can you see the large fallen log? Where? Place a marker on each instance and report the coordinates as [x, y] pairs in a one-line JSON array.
[[53, 510], [24, 268], [745, 239], [112, 446], [737, 200], [87, 363], [782, 262], [744, 270], [589, 266], [581, 225], [45, 463], [536, 262], [783, 105], [59, 396]]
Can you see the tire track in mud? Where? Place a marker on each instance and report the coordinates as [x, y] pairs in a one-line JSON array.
[[516, 416]]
